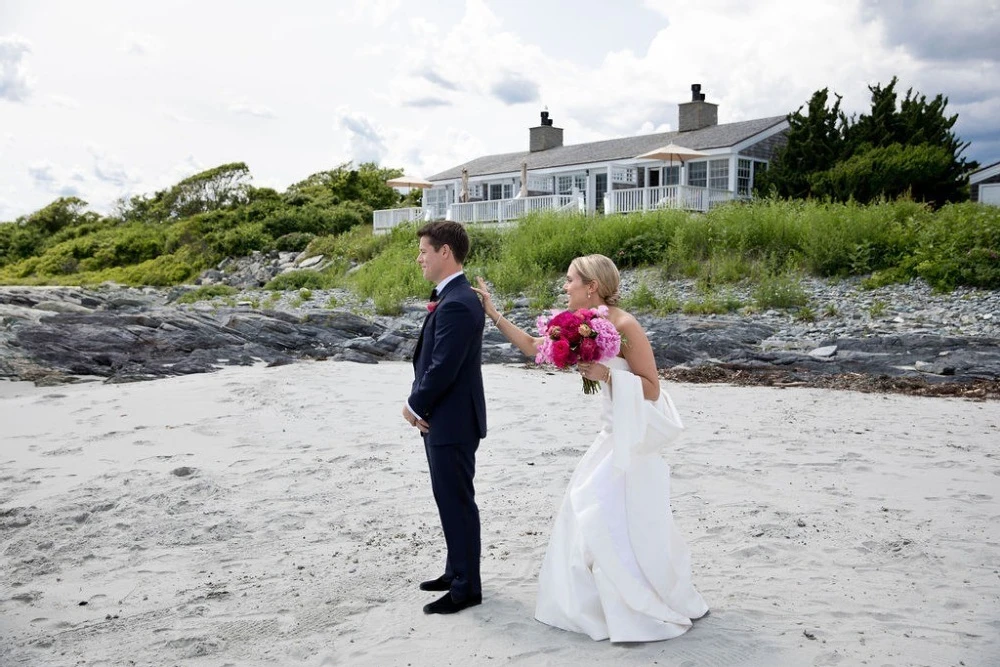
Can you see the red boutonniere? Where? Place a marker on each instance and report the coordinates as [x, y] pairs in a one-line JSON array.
[[431, 305]]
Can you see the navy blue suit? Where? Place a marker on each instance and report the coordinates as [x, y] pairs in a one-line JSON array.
[[448, 393]]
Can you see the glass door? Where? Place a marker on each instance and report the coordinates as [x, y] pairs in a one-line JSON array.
[[600, 188]]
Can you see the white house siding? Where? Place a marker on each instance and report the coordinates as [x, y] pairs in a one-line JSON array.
[[989, 193], [974, 194]]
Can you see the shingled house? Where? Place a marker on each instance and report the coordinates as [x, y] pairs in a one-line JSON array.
[[984, 184], [605, 176]]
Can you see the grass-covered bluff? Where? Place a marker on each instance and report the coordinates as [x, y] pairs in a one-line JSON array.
[[170, 237]]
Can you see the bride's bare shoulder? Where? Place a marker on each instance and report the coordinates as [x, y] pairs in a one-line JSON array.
[[622, 319]]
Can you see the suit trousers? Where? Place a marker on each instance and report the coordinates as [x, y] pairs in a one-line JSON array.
[[452, 469]]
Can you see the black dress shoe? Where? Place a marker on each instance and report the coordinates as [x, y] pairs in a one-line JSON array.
[[446, 605], [439, 584]]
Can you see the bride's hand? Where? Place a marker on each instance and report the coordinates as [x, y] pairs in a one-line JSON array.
[[593, 371], [484, 296]]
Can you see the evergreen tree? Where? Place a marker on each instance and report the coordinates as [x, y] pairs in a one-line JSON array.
[[815, 143], [905, 148]]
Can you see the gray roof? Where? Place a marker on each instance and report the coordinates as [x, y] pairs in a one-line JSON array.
[[977, 171], [716, 136]]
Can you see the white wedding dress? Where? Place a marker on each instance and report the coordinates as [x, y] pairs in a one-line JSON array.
[[616, 567]]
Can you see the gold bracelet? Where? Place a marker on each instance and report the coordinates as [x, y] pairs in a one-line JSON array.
[[496, 322], [607, 380]]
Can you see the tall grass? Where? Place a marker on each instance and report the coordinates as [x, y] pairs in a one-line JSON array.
[[887, 241]]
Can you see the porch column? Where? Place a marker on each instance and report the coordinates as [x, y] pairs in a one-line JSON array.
[[609, 191]]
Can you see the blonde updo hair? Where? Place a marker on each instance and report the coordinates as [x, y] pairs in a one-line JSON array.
[[604, 271]]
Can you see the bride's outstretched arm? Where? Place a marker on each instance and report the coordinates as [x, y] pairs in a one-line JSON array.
[[521, 339]]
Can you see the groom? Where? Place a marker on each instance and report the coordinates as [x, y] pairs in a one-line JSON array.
[[448, 406]]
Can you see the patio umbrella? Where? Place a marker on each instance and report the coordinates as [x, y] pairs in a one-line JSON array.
[[408, 182], [463, 196], [524, 180], [671, 152]]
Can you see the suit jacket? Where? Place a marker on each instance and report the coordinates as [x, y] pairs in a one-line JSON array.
[[447, 368]]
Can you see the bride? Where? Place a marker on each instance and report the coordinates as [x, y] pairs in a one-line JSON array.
[[616, 567]]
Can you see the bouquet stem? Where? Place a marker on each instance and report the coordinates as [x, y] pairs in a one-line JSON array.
[[591, 386]]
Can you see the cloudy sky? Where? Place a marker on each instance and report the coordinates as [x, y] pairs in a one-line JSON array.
[[102, 98]]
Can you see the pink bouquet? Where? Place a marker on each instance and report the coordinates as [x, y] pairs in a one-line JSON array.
[[572, 336]]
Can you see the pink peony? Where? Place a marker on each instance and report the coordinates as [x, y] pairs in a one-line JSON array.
[[569, 324], [589, 351], [562, 354]]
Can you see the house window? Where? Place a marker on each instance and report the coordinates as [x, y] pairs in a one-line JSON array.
[[625, 175], [501, 191], [698, 174], [436, 196], [567, 183], [718, 174], [743, 182], [671, 175], [436, 200]]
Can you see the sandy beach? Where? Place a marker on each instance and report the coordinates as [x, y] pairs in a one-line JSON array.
[[283, 516]]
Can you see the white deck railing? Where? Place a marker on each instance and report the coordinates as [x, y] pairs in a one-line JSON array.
[[386, 219], [630, 200], [504, 210], [627, 200]]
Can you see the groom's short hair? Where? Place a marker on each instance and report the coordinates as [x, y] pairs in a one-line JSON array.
[[446, 232]]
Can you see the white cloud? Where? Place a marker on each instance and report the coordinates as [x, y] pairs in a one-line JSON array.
[[140, 45], [515, 89], [427, 90], [16, 81], [64, 102], [372, 12], [43, 173], [365, 142], [255, 110], [6, 141], [111, 169]]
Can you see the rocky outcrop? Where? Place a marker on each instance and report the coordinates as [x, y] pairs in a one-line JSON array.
[[258, 268], [53, 334]]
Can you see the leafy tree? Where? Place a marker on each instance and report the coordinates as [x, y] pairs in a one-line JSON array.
[[225, 186], [30, 234], [61, 213], [365, 184]]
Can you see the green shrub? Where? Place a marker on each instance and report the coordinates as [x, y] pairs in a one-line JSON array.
[[162, 271], [358, 244], [541, 295], [206, 293], [242, 240], [959, 246], [643, 300], [347, 215], [712, 304], [641, 250], [485, 245], [393, 275], [302, 279], [779, 291], [294, 241], [805, 314]]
